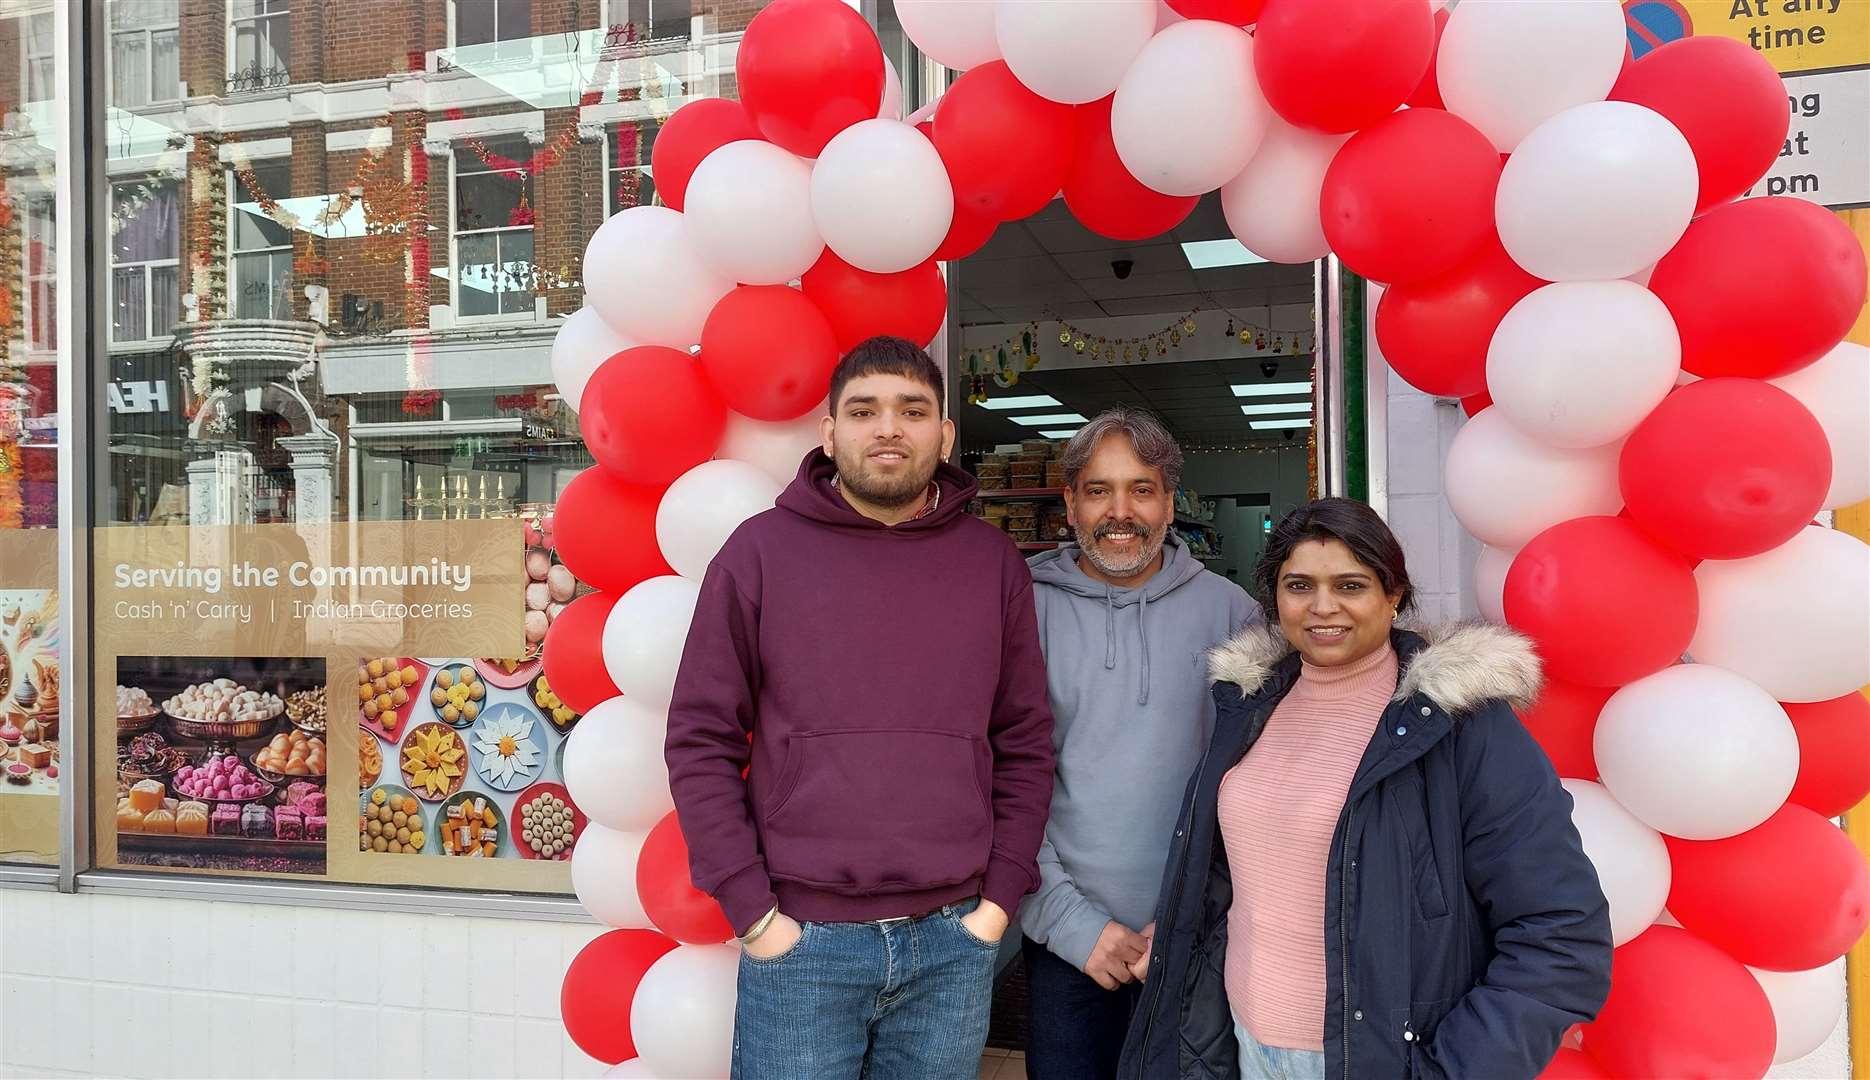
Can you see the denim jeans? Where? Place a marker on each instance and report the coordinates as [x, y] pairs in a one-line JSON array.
[[1075, 1027], [1259, 1062], [891, 1000]]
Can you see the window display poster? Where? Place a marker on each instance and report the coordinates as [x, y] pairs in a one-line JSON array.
[[30, 696]]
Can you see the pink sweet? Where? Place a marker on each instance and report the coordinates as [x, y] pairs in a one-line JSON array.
[[52, 771], [9, 733]]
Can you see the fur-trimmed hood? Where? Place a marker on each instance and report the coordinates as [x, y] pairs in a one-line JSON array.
[[1459, 667]]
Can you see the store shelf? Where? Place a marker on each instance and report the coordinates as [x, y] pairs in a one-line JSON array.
[[1039, 545], [1022, 493], [1194, 523]]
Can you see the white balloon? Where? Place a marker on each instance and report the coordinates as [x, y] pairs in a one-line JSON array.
[[1189, 113], [645, 278], [1795, 620], [614, 768], [749, 213], [880, 196], [1272, 205], [1696, 752], [777, 448], [1506, 68], [644, 635], [1631, 859], [634, 1069], [1581, 363], [1167, 16], [1837, 391], [1597, 192], [704, 507], [1506, 488], [1806, 1007], [956, 34], [603, 873], [1072, 53], [682, 1017], [1490, 581], [581, 345], [891, 108]]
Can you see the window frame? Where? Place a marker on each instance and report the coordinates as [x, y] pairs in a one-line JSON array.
[[454, 36], [285, 63], [613, 170], [455, 233], [148, 32], [148, 266], [234, 253], [607, 22], [42, 228], [28, 58]]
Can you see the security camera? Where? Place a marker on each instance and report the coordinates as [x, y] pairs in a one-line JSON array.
[[1291, 434], [1122, 267], [1269, 368]]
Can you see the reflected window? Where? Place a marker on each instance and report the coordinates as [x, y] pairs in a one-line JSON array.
[[37, 30], [260, 33], [484, 22], [628, 181], [654, 19], [145, 258], [145, 52], [40, 255], [261, 247], [492, 224]]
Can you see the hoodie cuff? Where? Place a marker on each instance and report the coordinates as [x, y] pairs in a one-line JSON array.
[[1006, 884], [746, 897], [1075, 937]]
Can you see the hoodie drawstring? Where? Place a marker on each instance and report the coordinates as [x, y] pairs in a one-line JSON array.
[[1110, 628], [1142, 630], [1110, 637]]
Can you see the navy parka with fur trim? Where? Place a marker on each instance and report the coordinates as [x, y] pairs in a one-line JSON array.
[[1465, 930]]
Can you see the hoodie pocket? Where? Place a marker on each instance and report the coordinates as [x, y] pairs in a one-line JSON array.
[[876, 811]]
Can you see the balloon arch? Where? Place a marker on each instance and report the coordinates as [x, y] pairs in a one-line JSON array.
[[1665, 405]]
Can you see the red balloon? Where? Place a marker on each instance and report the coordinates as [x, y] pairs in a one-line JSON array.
[[1474, 403], [1563, 721], [1735, 134], [1343, 66], [970, 231], [1412, 196], [1803, 284], [1604, 603], [1725, 469], [1834, 753], [697, 129], [768, 352], [605, 529], [808, 69], [1103, 195], [672, 903], [1435, 332], [574, 653], [594, 999], [1573, 1065], [859, 304], [1237, 12], [1679, 1007], [1789, 895], [1427, 93], [1007, 149], [649, 415]]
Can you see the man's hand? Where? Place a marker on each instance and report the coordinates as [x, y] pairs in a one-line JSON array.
[[987, 922], [1140, 969], [778, 938], [1117, 949]]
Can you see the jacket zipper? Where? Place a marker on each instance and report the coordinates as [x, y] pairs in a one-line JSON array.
[[1344, 944]]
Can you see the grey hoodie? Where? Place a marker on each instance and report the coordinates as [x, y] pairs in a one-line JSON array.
[[1127, 675]]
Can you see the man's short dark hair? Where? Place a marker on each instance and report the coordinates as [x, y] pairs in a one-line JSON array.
[[887, 356]]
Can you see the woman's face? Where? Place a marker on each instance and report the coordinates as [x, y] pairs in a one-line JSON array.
[[1331, 607]]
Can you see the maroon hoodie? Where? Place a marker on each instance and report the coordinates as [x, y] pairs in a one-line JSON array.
[[892, 684]]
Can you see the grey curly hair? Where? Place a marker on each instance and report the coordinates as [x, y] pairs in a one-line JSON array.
[[1150, 439]]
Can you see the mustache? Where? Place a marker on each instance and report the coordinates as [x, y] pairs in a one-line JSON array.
[[1105, 528]]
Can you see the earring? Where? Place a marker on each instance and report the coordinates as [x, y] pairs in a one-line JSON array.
[[1396, 614]]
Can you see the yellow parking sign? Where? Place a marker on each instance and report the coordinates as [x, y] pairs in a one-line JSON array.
[[1795, 35]]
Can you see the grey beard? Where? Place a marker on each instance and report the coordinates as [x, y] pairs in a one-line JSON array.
[[1152, 546]]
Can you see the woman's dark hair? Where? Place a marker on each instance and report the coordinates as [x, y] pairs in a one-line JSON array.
[[1351, 523]]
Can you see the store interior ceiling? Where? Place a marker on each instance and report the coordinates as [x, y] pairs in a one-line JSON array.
[[1049, 267]]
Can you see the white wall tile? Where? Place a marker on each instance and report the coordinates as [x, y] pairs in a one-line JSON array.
[[491, 1046], [72, 1016], [314, 936], [491, 967], [315, 1037], [74, 934], [537, 1049], [399, 1044], [577, 1064], [113, 1046], [26, 934], [399, 960], [445, 965], [539, 969], [31, 1028], [445, 1045], [357, 943], [358, 1031]]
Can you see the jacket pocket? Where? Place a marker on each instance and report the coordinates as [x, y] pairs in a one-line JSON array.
[[878, 810], [1415, 1026], [1408, 801]]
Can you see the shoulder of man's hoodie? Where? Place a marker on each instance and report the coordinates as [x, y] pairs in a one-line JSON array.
[[779, 533]]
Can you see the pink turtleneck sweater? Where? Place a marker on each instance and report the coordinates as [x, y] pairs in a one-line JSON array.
[[1278, 811]]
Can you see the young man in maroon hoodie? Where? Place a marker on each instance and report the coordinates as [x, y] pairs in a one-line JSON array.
[[879, 647]]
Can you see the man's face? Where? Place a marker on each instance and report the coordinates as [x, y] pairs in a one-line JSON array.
[[887, 435], [1120, 509]]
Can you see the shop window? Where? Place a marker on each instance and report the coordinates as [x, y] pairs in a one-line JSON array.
[[261, 247], [36, 30], [145, 292], [260, 44], [145, 52], [485, 22], [493, 228], [651, 19], [40, 255], [627, 178]]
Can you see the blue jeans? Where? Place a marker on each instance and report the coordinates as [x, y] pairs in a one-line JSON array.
[[1259, 1062], [892, 1000]]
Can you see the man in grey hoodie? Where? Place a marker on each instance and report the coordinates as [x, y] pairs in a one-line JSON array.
[[1126, 618]]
